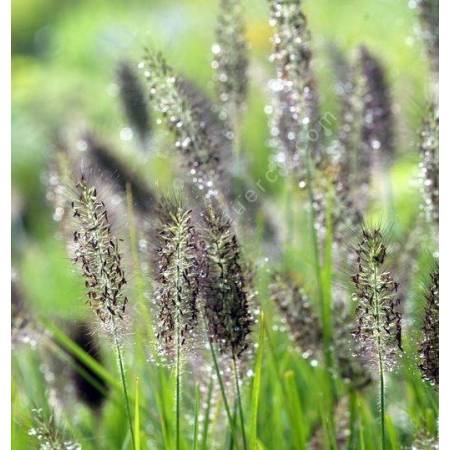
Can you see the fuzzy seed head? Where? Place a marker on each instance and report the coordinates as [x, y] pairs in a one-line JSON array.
[[377, 313], [429, 18], [348, 352], [177, 277], [133, 100], [200, 135], [225, 287], [97, 253], [294, 109], [378, 122], [47, 434], [117, 173], [230, 57], [429, 166], [429, 346], [91, 395], [296, 310]]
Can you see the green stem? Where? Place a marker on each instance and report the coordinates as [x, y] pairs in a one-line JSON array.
[[324, 302], [196, 407], [219, 377], [383, 440], [124, 384], [239, 402], [177, 374], [207, 412], [222, 387], [380, 356]]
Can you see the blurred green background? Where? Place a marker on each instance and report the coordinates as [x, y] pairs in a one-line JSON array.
[[64, 59]]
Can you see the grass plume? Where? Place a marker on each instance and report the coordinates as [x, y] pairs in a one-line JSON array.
[[429, 344]]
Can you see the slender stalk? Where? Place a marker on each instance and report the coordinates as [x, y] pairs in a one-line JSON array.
[[380, 357], [196, 407], [239, 402], [178, 382], [222, 387], [383, 443], [297, 426], [324, 305], [124, 384], [207, 412]]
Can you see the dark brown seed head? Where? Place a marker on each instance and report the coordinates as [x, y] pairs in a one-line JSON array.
[[225, 286], [89, 387], [429, 153], [119, 174], [295, 309], [378, 122], [133, 99]]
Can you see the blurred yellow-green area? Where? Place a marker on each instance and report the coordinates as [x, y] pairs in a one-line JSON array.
[[65, 55]]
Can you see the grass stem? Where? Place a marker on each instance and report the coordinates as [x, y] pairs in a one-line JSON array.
[[124, 383], [239, 402]]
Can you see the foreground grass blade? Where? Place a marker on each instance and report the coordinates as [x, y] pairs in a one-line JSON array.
[[207, 415], [77, 351], [137, 417], [253, 443], [196, 409], [296, 407]]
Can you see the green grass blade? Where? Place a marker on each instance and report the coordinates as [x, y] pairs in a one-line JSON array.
[[137, 417], [196, 409], [296, 407], [69, 345], [256, 386]]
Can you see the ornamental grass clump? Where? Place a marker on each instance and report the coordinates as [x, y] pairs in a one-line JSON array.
[[378, 320], [429, 343]]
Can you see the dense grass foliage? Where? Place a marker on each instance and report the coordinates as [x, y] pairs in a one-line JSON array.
[[225, 225]]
